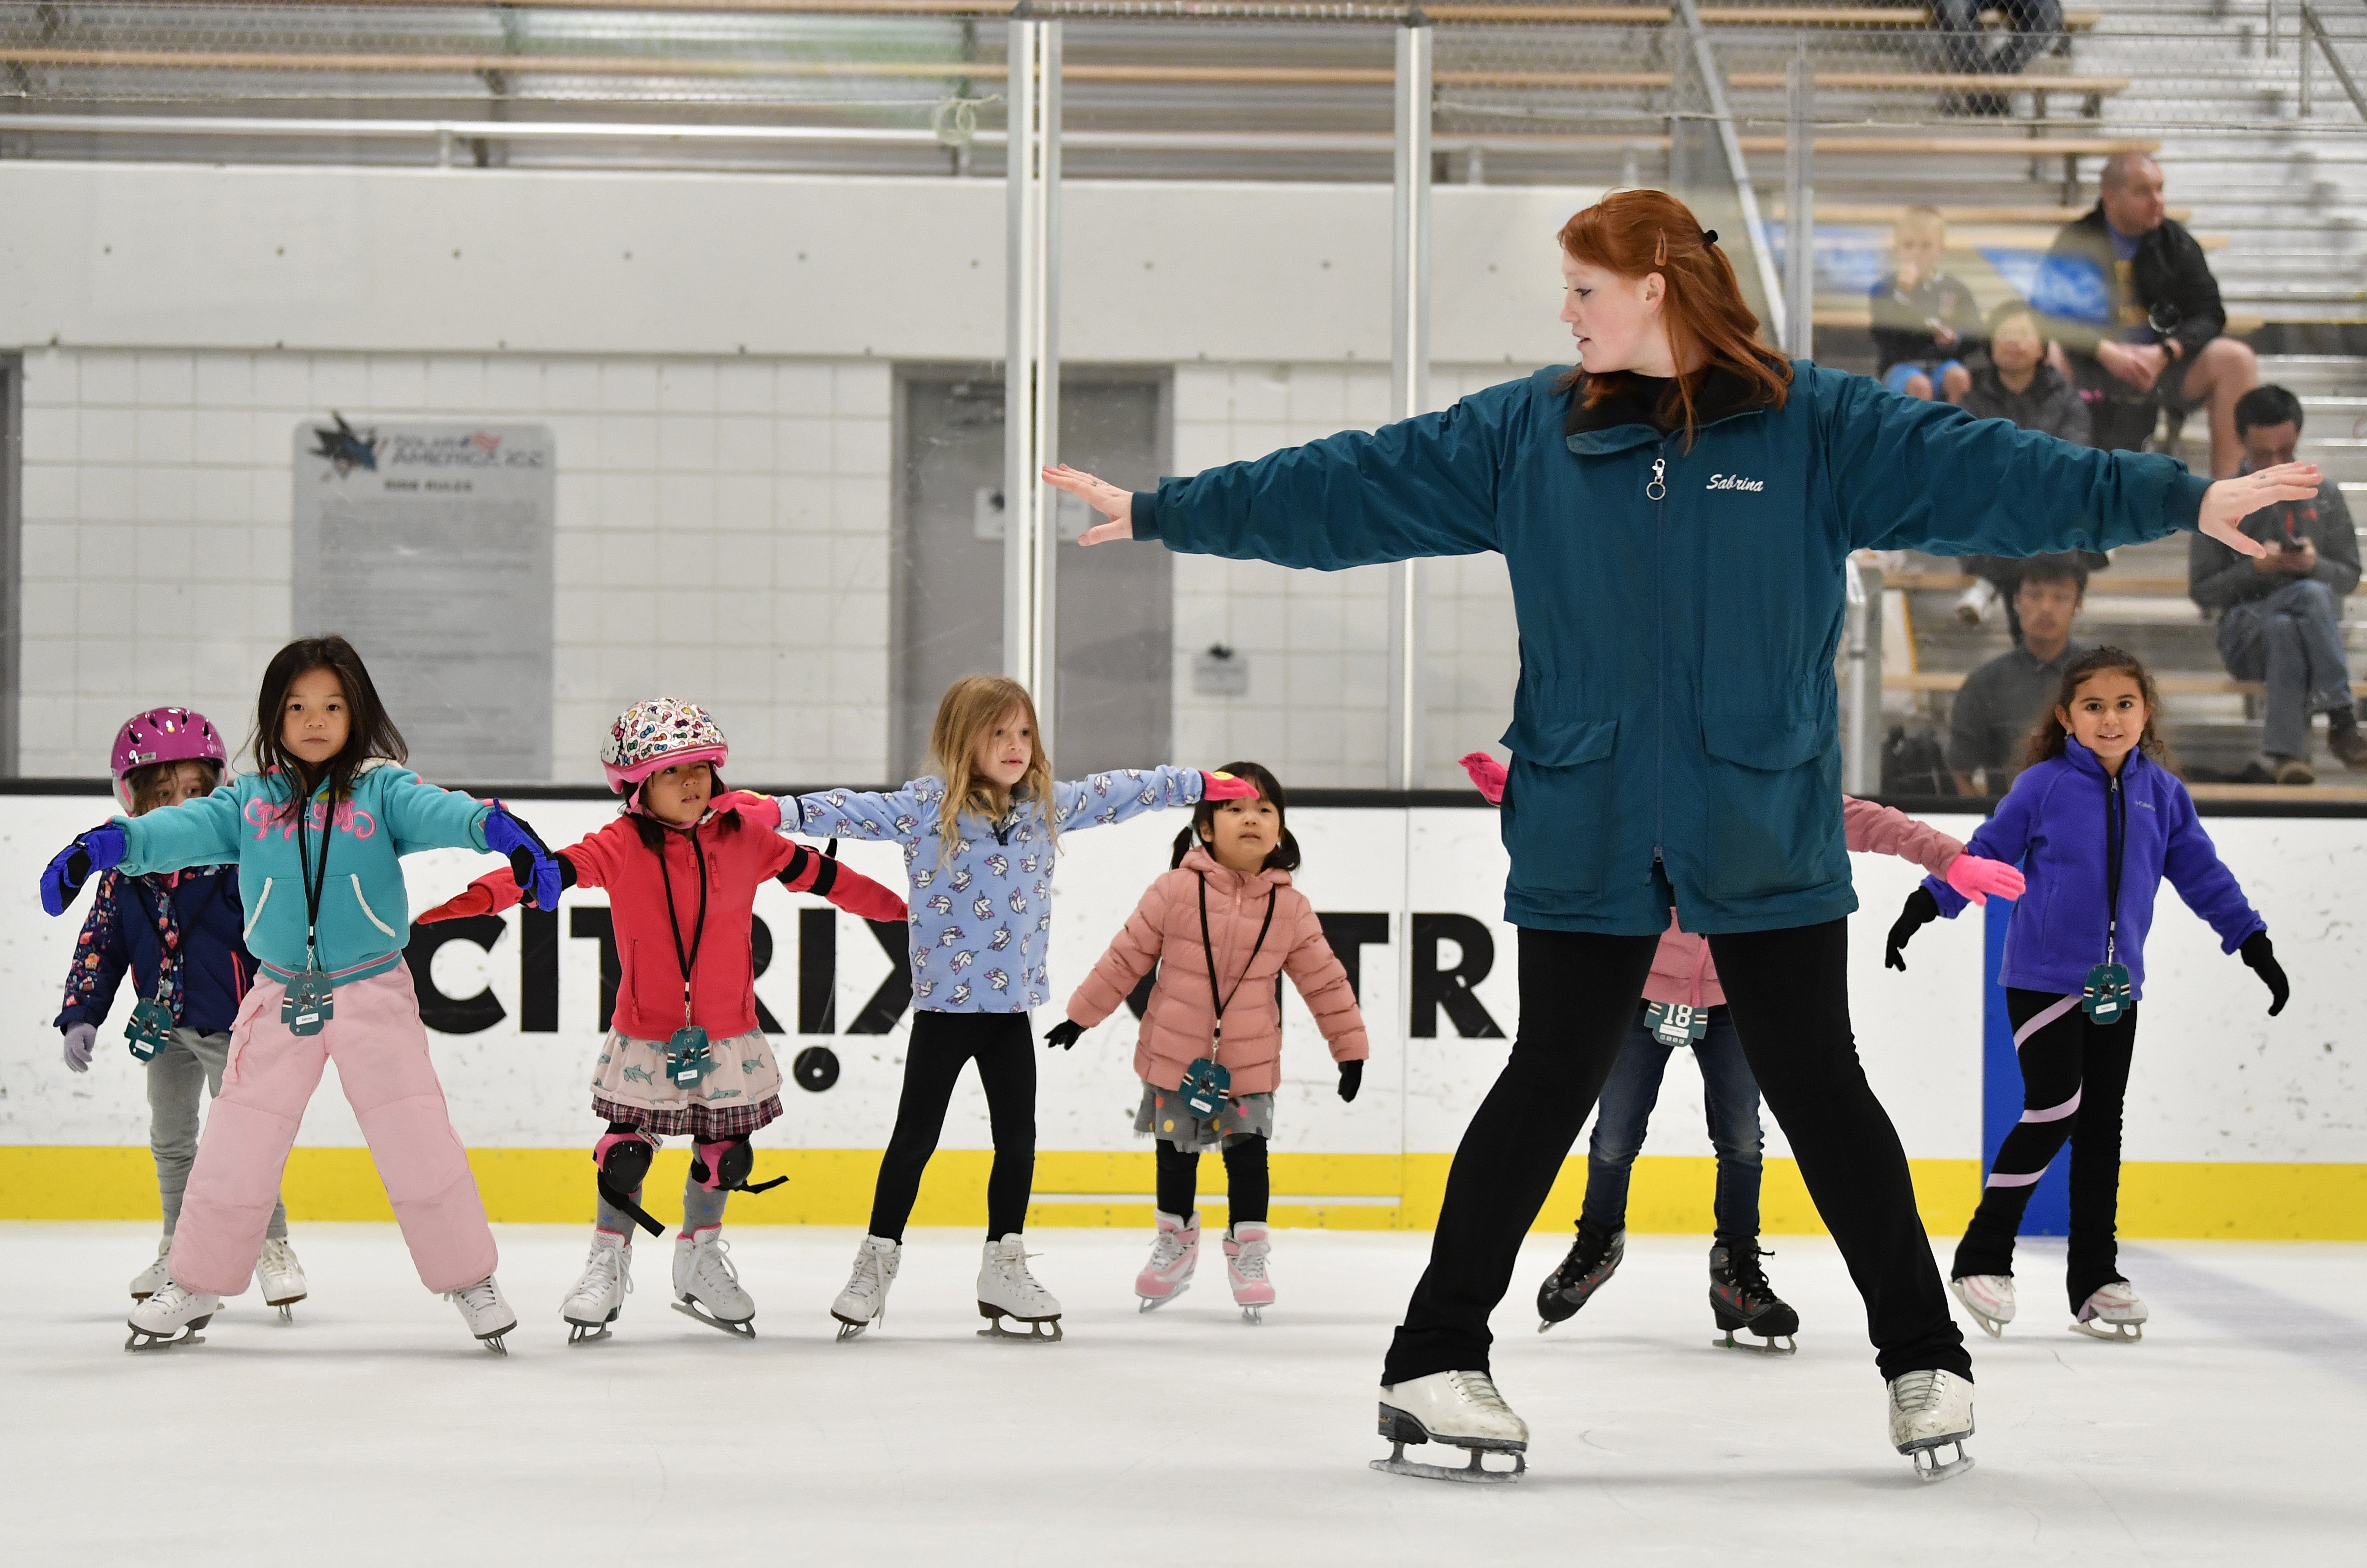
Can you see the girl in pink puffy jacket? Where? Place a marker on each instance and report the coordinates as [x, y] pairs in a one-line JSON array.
[[1221, 928], [1683, 1006]]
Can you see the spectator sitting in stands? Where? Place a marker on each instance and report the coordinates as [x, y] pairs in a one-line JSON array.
[[2035, 24], [2137, 319], [2003, 697], [1923, 320], [2014, 382], [2280, 614]]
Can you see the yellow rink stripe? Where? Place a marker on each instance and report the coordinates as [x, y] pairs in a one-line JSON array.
[[1371, 1192]]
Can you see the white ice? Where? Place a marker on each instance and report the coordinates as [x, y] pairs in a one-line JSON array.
[[372, 1429]]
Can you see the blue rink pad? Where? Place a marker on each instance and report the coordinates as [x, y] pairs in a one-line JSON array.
[[2049, 1213]]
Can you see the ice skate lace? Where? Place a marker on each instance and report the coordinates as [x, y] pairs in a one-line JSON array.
[[870, 1278], [712, 1268], [606, 1264], [1013, 1267], [477, 1298], [1750, 1278], [1166, 1251], [1478, 1388], [1250, 1262], [1916, 1392], [1586, 1255]]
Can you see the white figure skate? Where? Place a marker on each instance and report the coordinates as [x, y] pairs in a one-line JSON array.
[[1246, 1250], [2115, 1312], [488, 1316], [1006, 1290], [1989, 1298], [279, 1277], [708, 1288], [171, 1316], [600, 1295], [1931, 1411], [153, 1278], [1173, 1258], [1461, 1408], [864, 1300]]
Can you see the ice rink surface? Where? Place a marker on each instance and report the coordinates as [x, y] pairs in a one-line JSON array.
[[373, 1430]]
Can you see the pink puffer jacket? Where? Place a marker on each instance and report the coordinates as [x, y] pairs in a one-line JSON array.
[[1180, 1023], [1682, 969]]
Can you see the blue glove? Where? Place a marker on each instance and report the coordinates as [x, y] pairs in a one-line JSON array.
[[530, 857], [100, 849]]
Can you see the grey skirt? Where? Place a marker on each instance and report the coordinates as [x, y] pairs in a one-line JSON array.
[[1164, 1116]]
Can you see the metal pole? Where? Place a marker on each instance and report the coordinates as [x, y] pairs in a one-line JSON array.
[[2275, 19], [1409, 373], [1800, 207], [1713, 86], [1862, 692], [1031, 372]]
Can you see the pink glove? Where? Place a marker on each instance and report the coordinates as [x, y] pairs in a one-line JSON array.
[[1226, 787], [1488, 775], [1976, 878]]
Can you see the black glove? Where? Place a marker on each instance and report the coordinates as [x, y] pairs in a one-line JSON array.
[[1920, 911], [2261, 960], [1064, 1034], [1352, 1078]]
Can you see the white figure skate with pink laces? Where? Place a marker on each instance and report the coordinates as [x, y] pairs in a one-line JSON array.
[[1173, 1257], [1246, 1249]]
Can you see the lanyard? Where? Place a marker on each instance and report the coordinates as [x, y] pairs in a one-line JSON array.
[[1209, 948], [165, 959], [2116, 834], [698, 931], [314, 886]]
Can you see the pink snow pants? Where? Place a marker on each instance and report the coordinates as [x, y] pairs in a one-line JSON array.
[[381, 1054]]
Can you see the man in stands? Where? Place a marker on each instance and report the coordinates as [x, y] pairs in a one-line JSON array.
[[2136, 319], [2281, 615], [2033, 25], [2000, 700]]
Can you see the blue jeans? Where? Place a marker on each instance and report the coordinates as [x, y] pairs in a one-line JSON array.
[[2292, 640], [1625, 1108]]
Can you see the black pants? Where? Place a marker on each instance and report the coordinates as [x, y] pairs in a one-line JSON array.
[[1246, 1186], [1789, 993], [1005, 1049], [2075, 1079]]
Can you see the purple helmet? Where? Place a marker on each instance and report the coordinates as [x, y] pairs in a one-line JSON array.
[[163, 734]]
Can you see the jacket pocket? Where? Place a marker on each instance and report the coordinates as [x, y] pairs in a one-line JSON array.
[[1556, 811], [370, 914], [1774, 792], [255, 920]]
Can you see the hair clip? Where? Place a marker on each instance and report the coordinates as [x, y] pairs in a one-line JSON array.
[[1660, 250], [1709, 237]]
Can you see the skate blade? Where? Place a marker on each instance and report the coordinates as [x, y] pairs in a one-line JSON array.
[[1929, 1467], [141, 1339], [587, 1333], [994, 1329], [2112, 1333], [697, 1314], [1769, 1344], [1153, 1303], [1253, 1314], [1397, 1465], [493, 1341]]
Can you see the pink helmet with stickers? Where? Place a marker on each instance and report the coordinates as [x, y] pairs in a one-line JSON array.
[[163, 734], [660, 733]]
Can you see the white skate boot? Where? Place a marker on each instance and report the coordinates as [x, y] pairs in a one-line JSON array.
[[1006, 1290], [153, 1278], [1246, 1249], [1173, 1256], [708, 1287], [488, 1316], [2115, 1312], [171, 1316], [1989, 1298], [600, 1295], [1930, 1411], [864, 1300], [1461, 1408], [279, 1277]]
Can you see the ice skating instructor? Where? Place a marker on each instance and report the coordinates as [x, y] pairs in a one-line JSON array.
[[1676, 515]]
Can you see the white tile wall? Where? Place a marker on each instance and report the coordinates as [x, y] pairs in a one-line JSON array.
[[722, 535]]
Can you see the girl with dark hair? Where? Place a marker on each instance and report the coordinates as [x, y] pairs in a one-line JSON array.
[[1676, 514], [318, 835], [2099, 820], [684, 1055], [1227, 925]]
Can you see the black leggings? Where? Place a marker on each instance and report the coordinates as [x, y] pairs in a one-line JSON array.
[[2074, 1078], [1005, 1049], [1246, 1190], [1789, 993]]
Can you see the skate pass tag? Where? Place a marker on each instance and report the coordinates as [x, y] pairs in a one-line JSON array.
[[688, 1060], [1677, 1024], [2107, 996], [150, 1030], [1204, 1088], [309, 1004]]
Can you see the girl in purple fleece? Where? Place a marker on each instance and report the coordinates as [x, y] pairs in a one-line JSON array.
[[2096, 823]]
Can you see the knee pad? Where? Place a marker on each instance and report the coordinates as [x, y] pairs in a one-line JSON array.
[[724, 1166], [624, 1160]]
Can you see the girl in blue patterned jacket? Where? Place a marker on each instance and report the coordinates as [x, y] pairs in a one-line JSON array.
[[981, 920]]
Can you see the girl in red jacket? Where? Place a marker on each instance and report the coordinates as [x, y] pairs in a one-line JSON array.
[[684, 1054], [1227, 925]]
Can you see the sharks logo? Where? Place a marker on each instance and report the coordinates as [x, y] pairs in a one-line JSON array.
[[346, 448]]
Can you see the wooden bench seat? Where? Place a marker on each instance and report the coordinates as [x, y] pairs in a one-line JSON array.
[[1938, 82], [2168, 685], [1882, 213]]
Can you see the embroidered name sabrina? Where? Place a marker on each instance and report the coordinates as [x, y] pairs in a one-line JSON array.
[[1734, 481]]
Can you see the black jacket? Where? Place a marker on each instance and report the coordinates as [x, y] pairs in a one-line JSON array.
[[2048, 404], [2217, 578], [2170, 270]]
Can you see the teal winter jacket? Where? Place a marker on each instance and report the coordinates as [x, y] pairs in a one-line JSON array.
[[1680, 609], [365, 915]]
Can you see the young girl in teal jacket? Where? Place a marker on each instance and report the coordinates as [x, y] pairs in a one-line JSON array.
[[327, 922]]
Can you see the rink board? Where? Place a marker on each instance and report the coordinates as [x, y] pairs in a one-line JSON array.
[[2237, 1125]]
